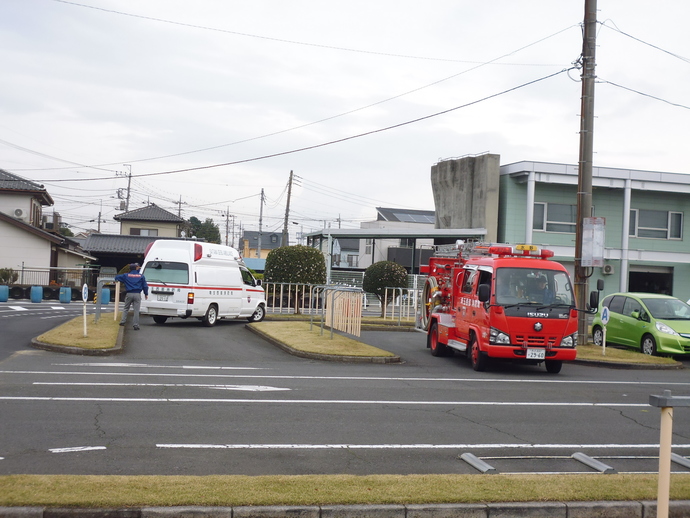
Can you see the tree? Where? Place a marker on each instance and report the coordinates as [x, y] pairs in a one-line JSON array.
[[206, 230], [64, 231], [209, 231], [297, 264], [382, 275]]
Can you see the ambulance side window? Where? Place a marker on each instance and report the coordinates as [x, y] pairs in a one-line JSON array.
[[470, 276], [247, 277]]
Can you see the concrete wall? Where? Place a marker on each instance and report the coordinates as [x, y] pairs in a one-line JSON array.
[[466, 193]]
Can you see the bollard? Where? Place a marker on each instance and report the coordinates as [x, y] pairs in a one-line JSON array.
[[666, 402], [65, 294], [36, 293]]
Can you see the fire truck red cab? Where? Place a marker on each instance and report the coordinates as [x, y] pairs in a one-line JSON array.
[[499, 301]]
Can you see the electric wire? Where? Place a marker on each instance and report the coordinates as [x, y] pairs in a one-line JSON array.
[[337, 141]]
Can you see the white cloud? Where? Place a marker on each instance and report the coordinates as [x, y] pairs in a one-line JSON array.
[[90, 86]]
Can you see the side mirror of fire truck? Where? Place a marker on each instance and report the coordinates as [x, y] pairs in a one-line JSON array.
[[484, 292], [594, 297]]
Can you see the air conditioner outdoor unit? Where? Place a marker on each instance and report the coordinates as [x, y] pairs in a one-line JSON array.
[[607, 269], [20, 213]]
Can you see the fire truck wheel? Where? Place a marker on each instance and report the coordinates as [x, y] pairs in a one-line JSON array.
[[437, 348], [478, 358], [597, 336], [553, 366], [430, 287]]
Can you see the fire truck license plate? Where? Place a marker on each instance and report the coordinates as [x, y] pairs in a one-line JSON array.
[[164, 298], [535, 354]]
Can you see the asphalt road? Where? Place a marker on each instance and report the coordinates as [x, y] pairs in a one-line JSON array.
[[185, 399]]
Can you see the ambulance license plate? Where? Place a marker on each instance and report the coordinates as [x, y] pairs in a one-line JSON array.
[[536, 354], [163, 298]]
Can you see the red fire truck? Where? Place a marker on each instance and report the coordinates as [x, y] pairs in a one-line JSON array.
[[500, 301]]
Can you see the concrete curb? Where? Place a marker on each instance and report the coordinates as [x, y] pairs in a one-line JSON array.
[[632, 509], [629, 366], [117, 349], [324, 357]]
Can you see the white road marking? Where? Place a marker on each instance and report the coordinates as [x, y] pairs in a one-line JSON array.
[[324, 401], [246, 388], [356, 378], [524, 446], [58, 307], [18, 308], [144, 365], [76, 448]]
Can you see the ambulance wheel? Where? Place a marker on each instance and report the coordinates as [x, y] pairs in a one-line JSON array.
[[597, 336], [159, 319], [258, 315], [437, 348], [211, 316], [477, 357], [553, 366]]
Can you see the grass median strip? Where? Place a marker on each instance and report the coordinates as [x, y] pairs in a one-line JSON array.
[[219, 490], [99, 335], [308, 338]]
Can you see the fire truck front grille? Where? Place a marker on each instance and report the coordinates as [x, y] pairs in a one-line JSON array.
[[535, 341]]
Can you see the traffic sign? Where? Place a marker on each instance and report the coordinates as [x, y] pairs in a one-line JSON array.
[[85, 292], [604, 315]]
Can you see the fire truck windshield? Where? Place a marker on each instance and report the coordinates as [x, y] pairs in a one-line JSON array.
[[533, 286]]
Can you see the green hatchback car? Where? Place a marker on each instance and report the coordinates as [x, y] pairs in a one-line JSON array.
[[655, 324]]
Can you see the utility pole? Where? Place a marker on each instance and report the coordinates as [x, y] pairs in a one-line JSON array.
[[261, 216], [584, 183], [179, 207], [129, 184], [285, 241], [227, 224]]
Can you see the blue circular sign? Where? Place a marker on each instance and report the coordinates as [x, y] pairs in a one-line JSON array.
[[85, 292], [604, 315]]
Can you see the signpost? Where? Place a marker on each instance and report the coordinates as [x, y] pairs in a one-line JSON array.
[[84, 296], [604, 320]]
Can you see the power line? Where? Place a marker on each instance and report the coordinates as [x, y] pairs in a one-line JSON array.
[[281, 40], [337, 141], [643, 94], [614, 28]]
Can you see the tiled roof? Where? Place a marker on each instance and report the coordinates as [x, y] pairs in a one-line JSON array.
[[12, 182], [149, 213], [117, 244]]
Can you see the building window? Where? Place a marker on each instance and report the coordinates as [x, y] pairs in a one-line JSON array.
[[143, 232], [554, 217], [656, 224], [352, 260], [367, 246]]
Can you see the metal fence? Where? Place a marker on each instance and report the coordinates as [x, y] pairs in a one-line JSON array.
[[73, 277]]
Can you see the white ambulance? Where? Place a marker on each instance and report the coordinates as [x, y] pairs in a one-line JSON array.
[[199, 280]]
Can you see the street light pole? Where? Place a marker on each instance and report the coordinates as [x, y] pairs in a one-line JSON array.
[[584, 185]]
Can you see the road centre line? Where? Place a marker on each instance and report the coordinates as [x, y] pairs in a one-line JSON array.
[[144, 365], [356, 378], [521, 446], [247, 388], [76, 448], [323, 401]]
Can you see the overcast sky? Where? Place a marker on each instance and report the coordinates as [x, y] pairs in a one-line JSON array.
[[209, 101]]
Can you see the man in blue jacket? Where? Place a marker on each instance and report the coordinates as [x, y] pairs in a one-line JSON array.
[[134, 283]]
